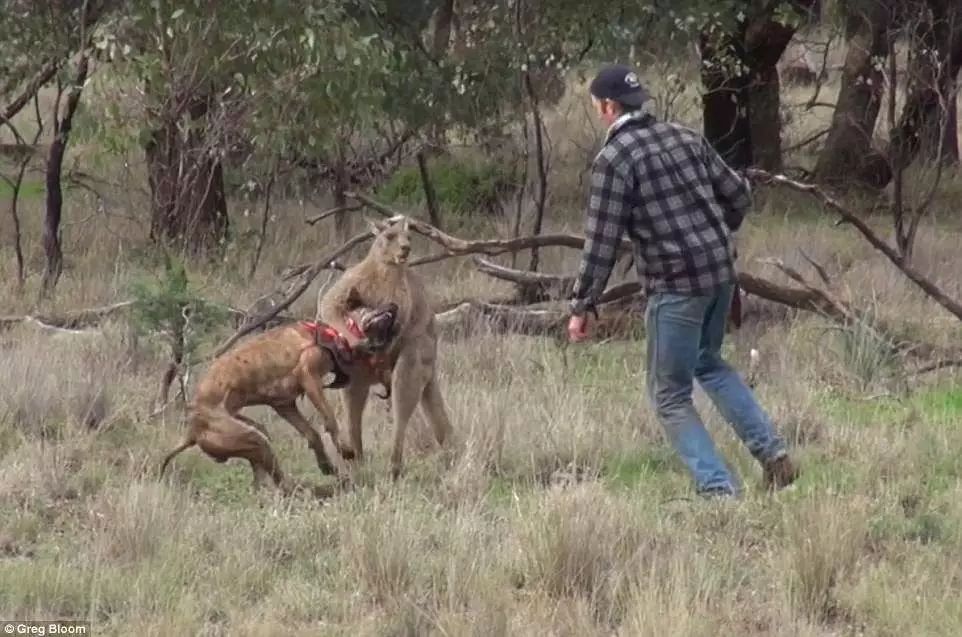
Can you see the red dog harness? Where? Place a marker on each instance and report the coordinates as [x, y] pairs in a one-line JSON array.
[[329, 338], [325, 334]]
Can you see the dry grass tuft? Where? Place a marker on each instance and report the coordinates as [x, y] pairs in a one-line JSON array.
[[826, 542]]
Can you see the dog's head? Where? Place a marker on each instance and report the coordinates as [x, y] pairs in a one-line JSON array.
[[379, 323]]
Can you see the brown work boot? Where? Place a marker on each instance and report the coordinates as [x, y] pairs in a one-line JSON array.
[[779, 472]]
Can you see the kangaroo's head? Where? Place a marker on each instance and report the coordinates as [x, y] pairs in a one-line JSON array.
[[392, 240]]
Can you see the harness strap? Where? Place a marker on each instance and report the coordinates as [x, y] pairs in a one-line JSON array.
[[342, 355], [329, 338]]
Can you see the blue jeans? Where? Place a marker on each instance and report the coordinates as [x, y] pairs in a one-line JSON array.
[[684, 339]]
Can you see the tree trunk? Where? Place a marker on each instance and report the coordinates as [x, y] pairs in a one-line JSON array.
[[537, 123], [741, 110], [186, 178], [848, 155], [58, 147], [765, 120], [725, 103], [765, 42], [440, 28], [929, 115]]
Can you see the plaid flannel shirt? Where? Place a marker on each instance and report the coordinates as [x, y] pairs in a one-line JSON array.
[[664, 186]]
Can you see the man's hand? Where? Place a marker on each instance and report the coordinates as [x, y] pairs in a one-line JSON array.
[[578, 328]]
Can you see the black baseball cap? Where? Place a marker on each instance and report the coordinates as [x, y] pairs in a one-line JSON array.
[[619, 83]]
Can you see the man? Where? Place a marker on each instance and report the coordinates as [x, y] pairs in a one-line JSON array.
[[665, 187]]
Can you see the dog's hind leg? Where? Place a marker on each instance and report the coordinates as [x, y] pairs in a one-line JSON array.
[[229, 437]]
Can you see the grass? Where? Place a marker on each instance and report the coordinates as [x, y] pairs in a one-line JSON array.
[[28, 189], [566, 511]]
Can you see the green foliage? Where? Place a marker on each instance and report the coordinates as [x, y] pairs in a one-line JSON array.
[[31, 33], [462, 186], [169, 305]]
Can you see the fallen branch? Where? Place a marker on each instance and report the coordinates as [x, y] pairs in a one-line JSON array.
[[936, 366], [75, 320], [810, 300], [532, 322], [83, 321], [552, 286], [930, 288], [828, 303], [545, 285]]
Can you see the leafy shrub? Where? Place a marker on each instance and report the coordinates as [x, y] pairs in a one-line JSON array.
[[168, 305], [462, 187]]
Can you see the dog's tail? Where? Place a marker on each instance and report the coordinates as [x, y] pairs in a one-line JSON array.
[[187, 444]]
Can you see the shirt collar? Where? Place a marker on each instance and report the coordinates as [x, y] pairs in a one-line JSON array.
[[624, 118]]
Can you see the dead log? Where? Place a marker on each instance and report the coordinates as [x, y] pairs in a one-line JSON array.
[[86, 320], [617, 319], [73, 320], [806, 299]]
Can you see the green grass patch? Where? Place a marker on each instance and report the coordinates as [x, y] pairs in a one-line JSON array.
[[628, 470], [935, 406], [28, 190], [823, 472]]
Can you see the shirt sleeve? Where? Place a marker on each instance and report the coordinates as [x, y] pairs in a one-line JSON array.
[[607, 219], [732, 190]]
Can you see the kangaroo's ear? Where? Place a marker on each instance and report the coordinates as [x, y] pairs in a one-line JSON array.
[[376, 227]]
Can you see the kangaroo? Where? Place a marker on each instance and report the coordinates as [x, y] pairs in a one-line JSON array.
[[383, 276]]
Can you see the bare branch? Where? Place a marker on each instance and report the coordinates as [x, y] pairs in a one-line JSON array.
[[265, 217], [811, 139], [43, 76], [489, 247], [936, 366], [846, 216], [331, 212], [822, 273], [306, 279]]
